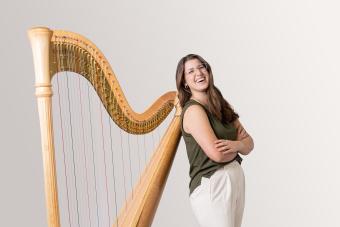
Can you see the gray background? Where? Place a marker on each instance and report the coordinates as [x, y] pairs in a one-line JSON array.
[[276, 62]]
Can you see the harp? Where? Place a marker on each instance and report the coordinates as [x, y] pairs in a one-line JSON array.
[[57, 51]]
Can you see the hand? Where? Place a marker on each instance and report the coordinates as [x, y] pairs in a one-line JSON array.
[[228, 146]]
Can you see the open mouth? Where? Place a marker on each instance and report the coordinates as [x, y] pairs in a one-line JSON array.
[[200, 80]]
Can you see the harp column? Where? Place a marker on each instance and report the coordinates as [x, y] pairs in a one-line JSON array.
[[40, 39]]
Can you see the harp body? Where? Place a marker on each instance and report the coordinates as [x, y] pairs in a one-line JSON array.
[[52, 52]]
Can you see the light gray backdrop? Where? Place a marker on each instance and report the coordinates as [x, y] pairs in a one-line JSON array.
[[276, 62]]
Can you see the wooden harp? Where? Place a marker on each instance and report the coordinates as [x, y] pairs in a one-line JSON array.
[[57, 51]]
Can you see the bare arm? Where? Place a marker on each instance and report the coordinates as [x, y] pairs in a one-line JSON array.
[[196, 122], [246, 141]]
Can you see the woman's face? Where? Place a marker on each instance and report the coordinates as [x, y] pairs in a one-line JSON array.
[[196, 75]]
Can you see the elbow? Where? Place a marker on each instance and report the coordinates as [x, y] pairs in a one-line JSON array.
[[214, 155], [249, 147], [218, 160], [220, 157], [252, 145]]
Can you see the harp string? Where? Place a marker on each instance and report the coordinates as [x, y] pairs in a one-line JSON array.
[[76, 132], [92, 74], [123, 168], [81, 62], [144, 151], [138, 153], [62, 135], [113, 166], [72, 135], [104, 150], [128, 138], [113, 173]]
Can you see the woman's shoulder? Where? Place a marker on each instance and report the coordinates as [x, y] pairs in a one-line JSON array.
[[193, 105], [192, 113], [193, 110]]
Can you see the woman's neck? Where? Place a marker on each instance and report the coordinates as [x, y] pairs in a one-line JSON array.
[[201, 98]]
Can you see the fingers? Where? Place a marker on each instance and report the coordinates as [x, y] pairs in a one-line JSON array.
[[225, 146], [223, 149], [227, 151], [218, 142], [222, 145]]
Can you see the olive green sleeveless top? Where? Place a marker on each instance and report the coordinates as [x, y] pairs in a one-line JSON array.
[[200, 164]]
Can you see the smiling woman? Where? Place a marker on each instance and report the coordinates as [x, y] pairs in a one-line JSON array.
[[201, 80], [214, 137]]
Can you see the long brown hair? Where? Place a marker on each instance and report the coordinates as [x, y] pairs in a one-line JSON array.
[[217, 105]]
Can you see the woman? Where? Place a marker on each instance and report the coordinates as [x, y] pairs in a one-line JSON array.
[[214, 137]]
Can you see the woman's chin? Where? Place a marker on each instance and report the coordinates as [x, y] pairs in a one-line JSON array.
[[201, 88]]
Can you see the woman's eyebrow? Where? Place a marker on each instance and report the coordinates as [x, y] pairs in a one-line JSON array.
[[196, 67]]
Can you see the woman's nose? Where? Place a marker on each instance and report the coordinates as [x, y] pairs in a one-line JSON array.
[[198, 72]]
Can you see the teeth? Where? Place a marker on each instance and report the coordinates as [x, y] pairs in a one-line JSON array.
[[200, 80]]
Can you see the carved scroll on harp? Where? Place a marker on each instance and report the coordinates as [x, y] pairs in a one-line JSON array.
[[60, 51]]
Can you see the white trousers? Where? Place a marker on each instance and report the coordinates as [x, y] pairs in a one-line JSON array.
[[219, 200]]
